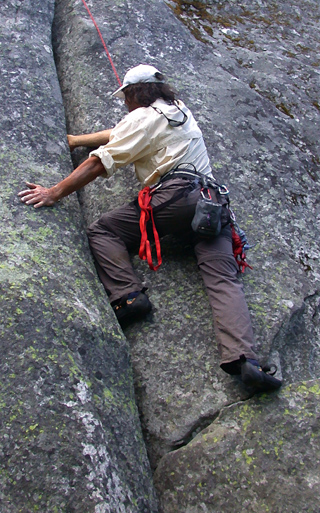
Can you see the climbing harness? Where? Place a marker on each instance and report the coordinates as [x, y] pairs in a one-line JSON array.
[[103, 43], [219, 217]]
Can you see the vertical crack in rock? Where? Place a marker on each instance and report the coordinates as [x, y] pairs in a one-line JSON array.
[[262, 142], [70, 437], [250, 144]]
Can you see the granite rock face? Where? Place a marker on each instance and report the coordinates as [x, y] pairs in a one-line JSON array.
[[262, 153], [260, 455], [70, 433], [250, 74]]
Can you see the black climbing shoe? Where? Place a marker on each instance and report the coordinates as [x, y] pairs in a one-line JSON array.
[[257, 377], [132, 307]]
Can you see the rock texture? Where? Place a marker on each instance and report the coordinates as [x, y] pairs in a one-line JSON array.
[[261, 152], [69, 429], [250, 458], [250, 73]]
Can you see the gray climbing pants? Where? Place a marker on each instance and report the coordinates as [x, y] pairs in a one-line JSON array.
[[116, 233]]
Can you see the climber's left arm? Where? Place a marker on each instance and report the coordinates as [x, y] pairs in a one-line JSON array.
[[89, 140]]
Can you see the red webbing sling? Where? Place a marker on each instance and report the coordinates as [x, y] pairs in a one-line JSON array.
[[144, 200], [146, 213]]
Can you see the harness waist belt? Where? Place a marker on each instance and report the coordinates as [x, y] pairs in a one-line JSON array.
[[194, 176], [188, 174]]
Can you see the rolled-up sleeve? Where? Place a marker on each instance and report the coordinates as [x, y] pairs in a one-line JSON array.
[[106, 160], [128, 142]]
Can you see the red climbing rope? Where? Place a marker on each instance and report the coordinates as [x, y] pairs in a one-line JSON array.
[[104, 44]]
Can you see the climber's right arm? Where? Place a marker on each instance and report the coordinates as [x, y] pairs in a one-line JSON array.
[[39, 196], [93, 140]]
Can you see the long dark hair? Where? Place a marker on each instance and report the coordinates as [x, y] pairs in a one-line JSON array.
[[145, 93]]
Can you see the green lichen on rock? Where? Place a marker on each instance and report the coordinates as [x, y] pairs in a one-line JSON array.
[[243, 93], [59, 335], [265, 451], [61, 449]]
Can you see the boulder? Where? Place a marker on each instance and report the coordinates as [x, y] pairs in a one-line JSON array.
[[258, 455], [261, 152], [70, 434], [69, 424]]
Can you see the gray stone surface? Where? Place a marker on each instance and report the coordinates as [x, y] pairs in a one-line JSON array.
[[70, 437], [258, 456], [255, 95], [272, 46], [261, 152]]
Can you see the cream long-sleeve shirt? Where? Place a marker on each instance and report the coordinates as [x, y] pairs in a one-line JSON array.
[[145, 138]]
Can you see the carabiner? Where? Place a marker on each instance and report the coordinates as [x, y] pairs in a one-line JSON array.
[[208, 192], [223, 190]]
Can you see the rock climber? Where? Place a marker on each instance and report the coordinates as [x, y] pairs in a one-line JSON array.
[[161, 138]]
